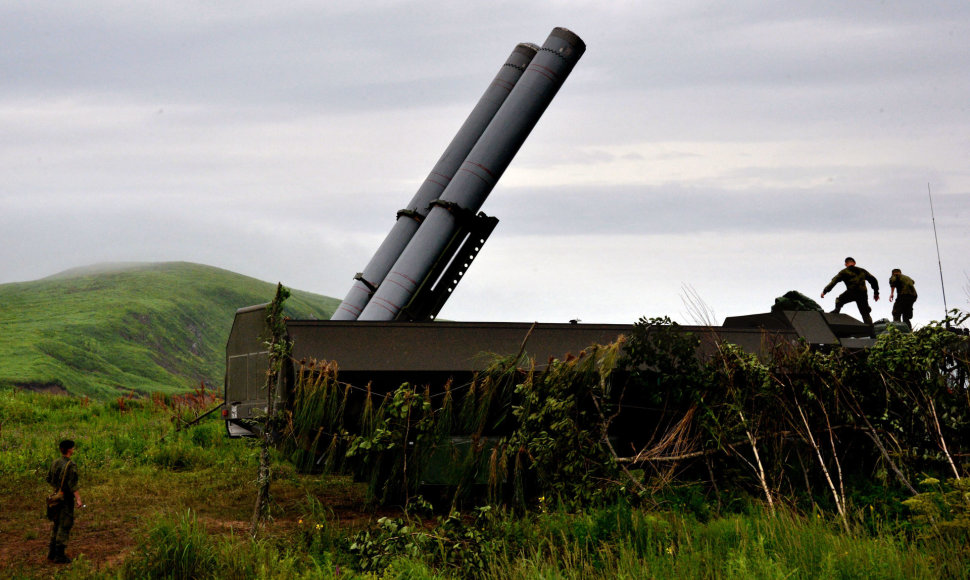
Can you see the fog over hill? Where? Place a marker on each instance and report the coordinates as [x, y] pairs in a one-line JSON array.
[[102, 268]]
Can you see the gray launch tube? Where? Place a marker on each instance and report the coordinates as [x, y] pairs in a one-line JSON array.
[[441, 174], [480, 171]]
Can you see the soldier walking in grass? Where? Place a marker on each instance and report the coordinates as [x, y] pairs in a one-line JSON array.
[[903, 308], [62, 476], [855, 279]]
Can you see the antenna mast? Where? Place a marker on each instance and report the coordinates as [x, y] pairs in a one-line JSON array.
[[938, 261]]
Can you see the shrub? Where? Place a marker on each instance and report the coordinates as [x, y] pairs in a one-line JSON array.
[[176, 548], [942, 509]]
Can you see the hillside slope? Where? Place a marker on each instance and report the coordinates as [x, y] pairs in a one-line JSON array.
[[111, 329]]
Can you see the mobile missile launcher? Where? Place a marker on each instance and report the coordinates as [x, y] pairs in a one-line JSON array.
[[384, 332]]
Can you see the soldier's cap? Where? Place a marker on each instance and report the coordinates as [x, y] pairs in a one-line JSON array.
[[850, 259]]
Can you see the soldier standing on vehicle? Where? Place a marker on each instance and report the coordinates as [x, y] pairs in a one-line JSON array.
[[62, 476], [855, 279], [903, 308]]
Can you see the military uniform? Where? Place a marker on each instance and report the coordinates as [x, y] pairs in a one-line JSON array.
[[855, 279], [905, 298], [64, 515]]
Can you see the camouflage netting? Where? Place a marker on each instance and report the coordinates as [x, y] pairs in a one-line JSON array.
[[794, 300], [883, 325]]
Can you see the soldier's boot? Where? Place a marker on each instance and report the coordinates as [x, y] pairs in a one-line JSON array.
[[60, 557], [52, 551]]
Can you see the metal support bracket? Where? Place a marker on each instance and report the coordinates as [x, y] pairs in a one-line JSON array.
[[359, 276], [444, 276], [410, 213]]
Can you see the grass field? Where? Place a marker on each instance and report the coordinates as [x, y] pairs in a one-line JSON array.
[[167, 504], [136, 471]]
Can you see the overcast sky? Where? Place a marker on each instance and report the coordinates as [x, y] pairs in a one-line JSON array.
[[727, 150]]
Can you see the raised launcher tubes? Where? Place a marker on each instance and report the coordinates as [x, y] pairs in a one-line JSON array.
[[409, 218], [447, 223]]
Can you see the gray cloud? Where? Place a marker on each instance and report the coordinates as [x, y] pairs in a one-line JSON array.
[[678, 210], [279, 140]]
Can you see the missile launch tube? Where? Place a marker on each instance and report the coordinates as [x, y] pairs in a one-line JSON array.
[[479, 172], [410, 218]]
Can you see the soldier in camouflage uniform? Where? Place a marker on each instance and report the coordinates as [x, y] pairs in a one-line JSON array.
[[855, 279], [903, 308], [63, 470]]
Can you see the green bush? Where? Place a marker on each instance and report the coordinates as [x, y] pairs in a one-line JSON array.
[[180, 455], [942, 509], [174, 548], [454, 546]]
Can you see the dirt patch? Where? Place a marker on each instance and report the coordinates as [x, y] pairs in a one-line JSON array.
[[48, 388], [106, 532]]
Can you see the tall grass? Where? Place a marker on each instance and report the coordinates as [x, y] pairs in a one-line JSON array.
[[174, 549], [118, 434], [178, 547], [637, 544]]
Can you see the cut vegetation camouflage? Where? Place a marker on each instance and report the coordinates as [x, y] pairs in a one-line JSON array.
[[646, 418]]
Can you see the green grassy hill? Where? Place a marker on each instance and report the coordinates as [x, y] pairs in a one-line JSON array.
[[112, 329]]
